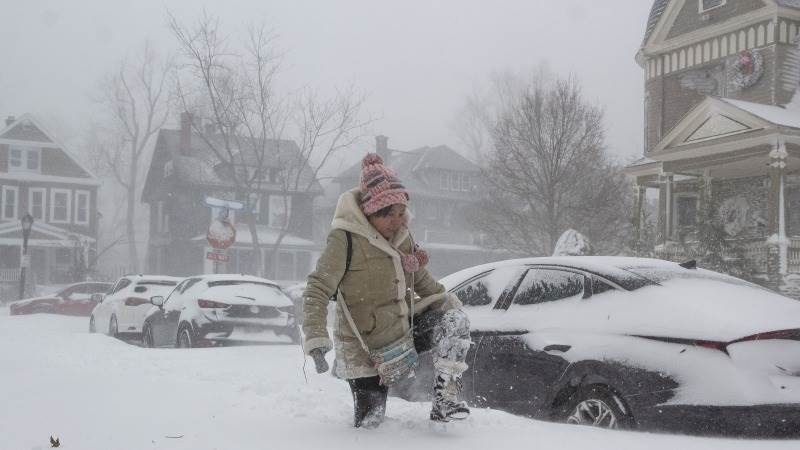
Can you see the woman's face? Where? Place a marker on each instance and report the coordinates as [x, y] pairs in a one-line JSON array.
[[389, 225]]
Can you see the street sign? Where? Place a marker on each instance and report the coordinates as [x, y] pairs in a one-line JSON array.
[[221, 234], [228, 204], [218, 257], [26, 261]]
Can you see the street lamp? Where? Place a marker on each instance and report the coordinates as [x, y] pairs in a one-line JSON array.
[[27, 224]]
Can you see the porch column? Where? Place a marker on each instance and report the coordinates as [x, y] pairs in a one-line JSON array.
[[704, 202], [665, 208], [777, 260], [639, 198]]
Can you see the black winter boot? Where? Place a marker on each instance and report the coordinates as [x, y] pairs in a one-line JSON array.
[[446, 406], [369, 401]]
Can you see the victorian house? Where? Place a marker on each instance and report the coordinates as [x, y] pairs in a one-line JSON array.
[[441, 184], [722, 129], [39, 176], [184, 171]]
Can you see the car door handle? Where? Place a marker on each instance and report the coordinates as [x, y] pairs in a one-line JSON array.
[[557, 348]]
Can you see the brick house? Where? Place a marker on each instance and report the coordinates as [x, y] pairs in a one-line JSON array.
[[441, 184], [722, 128], [38, 175], [184, 171]]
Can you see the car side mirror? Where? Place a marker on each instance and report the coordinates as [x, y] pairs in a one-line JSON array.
[[157, 300], [98, 298]]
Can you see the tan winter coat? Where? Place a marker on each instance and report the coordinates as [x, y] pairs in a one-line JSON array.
[[374, 289]]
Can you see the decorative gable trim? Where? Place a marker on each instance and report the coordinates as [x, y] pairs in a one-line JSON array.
[[700, 119]]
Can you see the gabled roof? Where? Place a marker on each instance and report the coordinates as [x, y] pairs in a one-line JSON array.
[[412, 168], [655, 15], [201, 166], [27, 128], [719, 125], [659, 8]]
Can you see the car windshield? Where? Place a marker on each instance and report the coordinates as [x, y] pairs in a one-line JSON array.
[[662, 275], [247, 290]]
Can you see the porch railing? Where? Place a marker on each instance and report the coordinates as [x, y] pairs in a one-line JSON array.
[[8, 275]]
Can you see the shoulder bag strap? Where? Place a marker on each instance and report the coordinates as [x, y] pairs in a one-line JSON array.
[[347, 262]]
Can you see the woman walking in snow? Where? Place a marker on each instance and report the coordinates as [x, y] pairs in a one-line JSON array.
[[371, 264]]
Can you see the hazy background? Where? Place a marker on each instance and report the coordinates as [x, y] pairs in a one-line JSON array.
[[416, 60]]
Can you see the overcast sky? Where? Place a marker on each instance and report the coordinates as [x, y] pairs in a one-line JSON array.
[[416, 60]]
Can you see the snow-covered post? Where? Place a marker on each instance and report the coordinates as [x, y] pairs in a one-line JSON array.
[[639, 196], [664, 207], [778, 244]]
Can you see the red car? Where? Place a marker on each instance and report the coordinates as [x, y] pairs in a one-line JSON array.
[[73, 300]]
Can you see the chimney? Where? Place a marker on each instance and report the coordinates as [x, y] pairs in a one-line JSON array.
[[382, 148], [185, 144], [10, 120]]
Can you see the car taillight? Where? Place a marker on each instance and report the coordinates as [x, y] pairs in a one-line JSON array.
[[211, 304], [713, 345], [789, 335]]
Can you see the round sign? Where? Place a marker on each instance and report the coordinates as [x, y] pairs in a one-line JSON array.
[[221, 235]]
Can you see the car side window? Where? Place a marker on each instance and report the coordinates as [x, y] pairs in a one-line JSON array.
[[548, 285], [600, 286], [121, 284], [487, 288], [174, 297]]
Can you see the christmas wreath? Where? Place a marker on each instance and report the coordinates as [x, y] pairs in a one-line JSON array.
[[747, 69]]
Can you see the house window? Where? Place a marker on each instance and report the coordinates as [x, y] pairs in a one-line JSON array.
[[686, 210], [82, 207], [280, 208], [21, 159], [36, 203], [285, 265], [302, 265], [63, 256], [60, 205], [10, 202], [705, 5]]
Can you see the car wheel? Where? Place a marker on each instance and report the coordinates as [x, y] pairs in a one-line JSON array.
[[147, 337], [598, 406], [92, 326], [113, 327], [184, 337]]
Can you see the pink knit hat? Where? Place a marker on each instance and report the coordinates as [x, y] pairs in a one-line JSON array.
[[380, 187]]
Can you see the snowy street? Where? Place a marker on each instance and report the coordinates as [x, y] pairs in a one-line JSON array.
[[97, 393]]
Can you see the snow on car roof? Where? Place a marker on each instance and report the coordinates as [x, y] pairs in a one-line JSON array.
[[232, 276], [612, 266], [708, 309]]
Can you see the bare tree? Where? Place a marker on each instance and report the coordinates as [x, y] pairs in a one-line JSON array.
[[549, 171], [135, 99], [249, 125]]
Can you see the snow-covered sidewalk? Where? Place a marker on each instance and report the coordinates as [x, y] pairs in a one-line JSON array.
[[96, 393]]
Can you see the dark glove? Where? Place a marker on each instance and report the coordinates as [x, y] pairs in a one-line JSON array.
[[319, 359]]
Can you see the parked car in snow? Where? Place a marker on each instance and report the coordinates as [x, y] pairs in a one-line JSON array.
[[208, 310], [627, 343], [122, 310], [74, 300]]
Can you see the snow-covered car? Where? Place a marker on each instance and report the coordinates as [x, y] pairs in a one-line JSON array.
[[627, 343], [122, 310], [209, 310], [74, 300]]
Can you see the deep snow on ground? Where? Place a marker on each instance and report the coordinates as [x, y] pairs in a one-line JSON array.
[[98, 393]]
